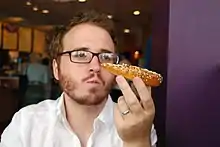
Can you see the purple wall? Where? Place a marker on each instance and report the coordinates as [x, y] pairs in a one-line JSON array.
[[193, 85]]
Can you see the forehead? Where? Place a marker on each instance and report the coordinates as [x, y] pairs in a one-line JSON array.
[[88, 36]]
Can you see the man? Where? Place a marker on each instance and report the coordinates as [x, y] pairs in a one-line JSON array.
[[84, 115], [38, 81]]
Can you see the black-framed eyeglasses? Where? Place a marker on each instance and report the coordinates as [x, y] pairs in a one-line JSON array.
[[82, 56]]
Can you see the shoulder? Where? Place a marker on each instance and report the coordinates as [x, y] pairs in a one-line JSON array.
[[43, 108], [36, 113], [29, 120]]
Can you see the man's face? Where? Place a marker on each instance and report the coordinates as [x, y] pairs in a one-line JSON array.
[[87, 83]]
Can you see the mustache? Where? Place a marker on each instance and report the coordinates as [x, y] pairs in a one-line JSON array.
[[92, 76]]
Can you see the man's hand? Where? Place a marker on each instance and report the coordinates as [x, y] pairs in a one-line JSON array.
[[133, 117]]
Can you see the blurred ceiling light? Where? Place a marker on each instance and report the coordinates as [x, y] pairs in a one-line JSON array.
[[136, 54], [110, 16], [28, 3], [126, 31], [82, 1], [136, 12], [35, 8], [45, 11]]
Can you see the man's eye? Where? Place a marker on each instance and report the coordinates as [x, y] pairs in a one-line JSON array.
[[107, 57], [79, 54]]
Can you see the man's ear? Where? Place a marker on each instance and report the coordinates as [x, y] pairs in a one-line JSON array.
[[55, 69]]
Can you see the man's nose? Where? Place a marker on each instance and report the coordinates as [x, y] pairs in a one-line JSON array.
[[95, 64]]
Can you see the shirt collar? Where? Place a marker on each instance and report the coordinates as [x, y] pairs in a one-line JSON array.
[[60, 107], [106, 115]]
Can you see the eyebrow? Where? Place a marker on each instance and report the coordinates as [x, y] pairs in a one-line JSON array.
[[87, 49]]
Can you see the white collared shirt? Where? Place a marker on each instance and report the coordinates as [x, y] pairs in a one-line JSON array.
[[45, 125]]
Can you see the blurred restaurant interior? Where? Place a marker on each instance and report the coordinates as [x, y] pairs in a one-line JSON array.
[[179, 39], [26, 26]]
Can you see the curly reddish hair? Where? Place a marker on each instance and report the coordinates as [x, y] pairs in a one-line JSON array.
[[90, 16]]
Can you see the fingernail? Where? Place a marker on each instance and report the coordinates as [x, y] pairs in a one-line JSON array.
[[119, 78], [137, 79]]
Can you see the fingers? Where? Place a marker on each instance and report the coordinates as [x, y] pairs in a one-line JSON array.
[[118, 116], [135, 91], [149, 89], [144, 93], [122, 106], [129, 97]]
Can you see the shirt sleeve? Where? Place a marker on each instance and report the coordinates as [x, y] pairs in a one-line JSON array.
[[11, 136], [153, 137]]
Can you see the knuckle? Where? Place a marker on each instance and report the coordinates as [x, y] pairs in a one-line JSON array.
[[148, 102], [120, 99], [132, 103], [142, 89], [124, 86]]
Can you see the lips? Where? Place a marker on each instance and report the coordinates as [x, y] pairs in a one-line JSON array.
[[94, 81]]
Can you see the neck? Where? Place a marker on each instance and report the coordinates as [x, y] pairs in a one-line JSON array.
[[81, 117]]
